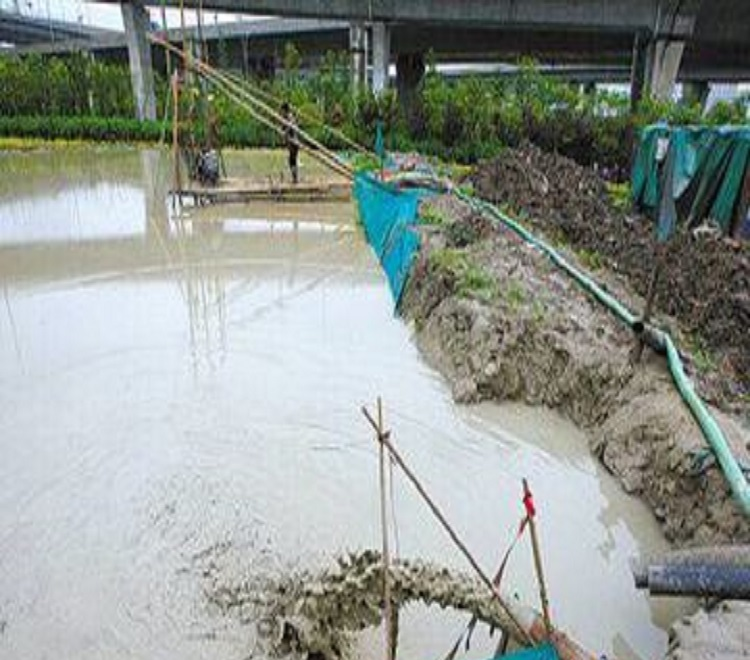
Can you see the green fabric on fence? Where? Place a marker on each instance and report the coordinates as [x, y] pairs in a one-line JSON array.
[[389, 216], [706, 174]]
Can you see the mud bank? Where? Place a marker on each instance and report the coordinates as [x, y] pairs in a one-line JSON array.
[[501, 323], [705, 278]]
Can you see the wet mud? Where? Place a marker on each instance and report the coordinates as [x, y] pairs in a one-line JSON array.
[[317, 614]]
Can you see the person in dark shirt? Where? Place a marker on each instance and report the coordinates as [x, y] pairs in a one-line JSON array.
[[292, 141]]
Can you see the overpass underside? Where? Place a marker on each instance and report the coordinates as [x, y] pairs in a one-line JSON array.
[[653, 42]]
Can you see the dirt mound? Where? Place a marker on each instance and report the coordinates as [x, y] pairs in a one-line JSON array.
[[502, 323], [705, 283]]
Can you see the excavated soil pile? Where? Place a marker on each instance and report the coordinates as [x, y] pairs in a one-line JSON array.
[[705, 284], [502, 323]]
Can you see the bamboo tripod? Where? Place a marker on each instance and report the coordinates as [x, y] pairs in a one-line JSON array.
[[383, 439]]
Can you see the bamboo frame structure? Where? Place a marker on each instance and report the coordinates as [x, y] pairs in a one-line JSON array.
[[384, 440], [270, 98], [260, 110]]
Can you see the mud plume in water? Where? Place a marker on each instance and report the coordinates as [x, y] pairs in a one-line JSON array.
[[319, 612]]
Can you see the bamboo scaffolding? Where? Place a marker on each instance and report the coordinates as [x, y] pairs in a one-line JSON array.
[[521, 632], [260, 105], [261, 111]]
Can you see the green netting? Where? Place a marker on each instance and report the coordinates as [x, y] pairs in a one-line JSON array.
[[703, 173], [389, 216]]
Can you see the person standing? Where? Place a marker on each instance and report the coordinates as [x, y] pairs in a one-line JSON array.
[[291, 137]]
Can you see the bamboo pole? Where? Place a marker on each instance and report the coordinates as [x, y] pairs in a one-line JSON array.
[[213, 74], [388, 604], [272, 113], [531, 517], [321, 157], [177, 184], [270, 98], [522, 634]]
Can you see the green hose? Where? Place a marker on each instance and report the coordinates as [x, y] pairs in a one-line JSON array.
[[711, 431]]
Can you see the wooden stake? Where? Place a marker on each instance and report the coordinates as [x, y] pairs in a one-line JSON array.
[[390, 642], [531, 513], [521, 632]]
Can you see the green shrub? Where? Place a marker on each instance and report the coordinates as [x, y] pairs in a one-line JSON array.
[[459, 120]]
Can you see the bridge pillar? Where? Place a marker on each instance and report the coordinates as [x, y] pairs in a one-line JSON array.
[[136, 21], [381, 56], [358, 50], [674, 27], [695, 91], [410, 69], [639, 69]]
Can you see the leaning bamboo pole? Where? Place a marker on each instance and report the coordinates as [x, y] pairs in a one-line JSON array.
[[521, 632], [261, 111], [531, 518], [270, 98], [322, 157], [263, 107], [529, 628]]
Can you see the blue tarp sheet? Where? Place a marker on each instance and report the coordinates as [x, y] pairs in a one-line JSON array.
[[389, 216], [543, 652]]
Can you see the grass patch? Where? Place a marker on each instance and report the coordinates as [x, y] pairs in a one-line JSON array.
[[590, 259], [470, 280], [702, 357], [619, 195], [515, 295], [429, 215]]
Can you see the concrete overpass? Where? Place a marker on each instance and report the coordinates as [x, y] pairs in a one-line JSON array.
[[656, 39], [19, 30]]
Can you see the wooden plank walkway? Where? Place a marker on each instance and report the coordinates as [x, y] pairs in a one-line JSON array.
[[241, 190]]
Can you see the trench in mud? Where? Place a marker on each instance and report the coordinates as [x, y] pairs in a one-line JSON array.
[[179, 409]]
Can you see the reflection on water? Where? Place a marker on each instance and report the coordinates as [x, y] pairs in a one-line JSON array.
[[174, 386]]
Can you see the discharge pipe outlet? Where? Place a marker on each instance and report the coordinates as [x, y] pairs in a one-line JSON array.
[[711, 430]]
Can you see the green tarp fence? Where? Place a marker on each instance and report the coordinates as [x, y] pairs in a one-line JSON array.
[[389, 216], [703, 172]]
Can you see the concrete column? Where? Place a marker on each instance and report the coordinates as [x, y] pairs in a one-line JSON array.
[[357, 48], [639, 68], [381, 56], [695, 91], [410, 69], [136, 21], [674, 26], [667, 60]]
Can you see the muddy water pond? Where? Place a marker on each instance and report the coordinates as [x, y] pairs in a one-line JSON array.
[[177, 388]]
